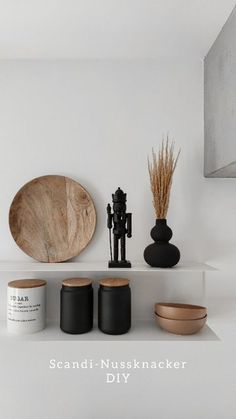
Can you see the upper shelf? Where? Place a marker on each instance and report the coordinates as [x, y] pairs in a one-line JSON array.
[[28, 266]]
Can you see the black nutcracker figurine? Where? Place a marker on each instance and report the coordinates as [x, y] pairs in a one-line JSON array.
[[121, 221]]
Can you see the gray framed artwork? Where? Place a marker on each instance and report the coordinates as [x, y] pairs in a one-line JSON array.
[[220, 104]]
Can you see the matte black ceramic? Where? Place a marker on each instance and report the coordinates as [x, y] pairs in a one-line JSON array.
[[161, 253], [76, 309], [114, 309]]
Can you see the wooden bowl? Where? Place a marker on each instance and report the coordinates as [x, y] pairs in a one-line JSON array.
[[176, 311], [181, 327]]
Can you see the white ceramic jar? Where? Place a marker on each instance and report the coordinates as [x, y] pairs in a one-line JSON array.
[[26, 305]]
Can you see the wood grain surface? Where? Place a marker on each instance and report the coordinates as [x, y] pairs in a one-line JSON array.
[[52, 218], [77, 282], [27, 283], [114, 282]]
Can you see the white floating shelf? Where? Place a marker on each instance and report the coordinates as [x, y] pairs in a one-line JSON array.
[[140, 331], [13, 266]]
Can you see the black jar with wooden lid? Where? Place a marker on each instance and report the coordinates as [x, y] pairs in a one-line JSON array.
[[76, 313], [114, 306]]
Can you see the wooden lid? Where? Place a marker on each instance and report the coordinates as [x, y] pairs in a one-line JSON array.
[[77, 282], [27, 283], [114, 282]]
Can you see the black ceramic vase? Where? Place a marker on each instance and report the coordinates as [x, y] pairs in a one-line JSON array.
[[161, 254]]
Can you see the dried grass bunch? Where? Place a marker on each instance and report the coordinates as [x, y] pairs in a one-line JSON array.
[[161, 171]]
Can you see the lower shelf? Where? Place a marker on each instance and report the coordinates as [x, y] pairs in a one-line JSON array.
[[140, 331]]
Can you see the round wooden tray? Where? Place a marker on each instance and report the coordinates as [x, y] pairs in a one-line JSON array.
[[52, 218]]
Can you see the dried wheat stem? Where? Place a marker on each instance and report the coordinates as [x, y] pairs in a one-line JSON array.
[[161, 170]]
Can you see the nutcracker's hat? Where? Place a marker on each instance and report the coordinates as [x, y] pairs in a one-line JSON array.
[[119, 196]]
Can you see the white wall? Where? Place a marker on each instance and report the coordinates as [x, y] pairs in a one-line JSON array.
[[96, 122]]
